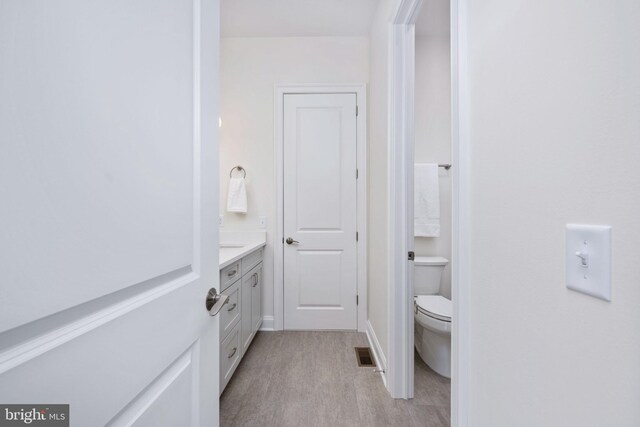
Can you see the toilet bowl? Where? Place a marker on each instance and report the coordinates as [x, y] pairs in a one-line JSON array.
[[432, 313], [432, 334]]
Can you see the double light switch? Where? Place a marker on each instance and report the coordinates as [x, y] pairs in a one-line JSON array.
[[588, 259]]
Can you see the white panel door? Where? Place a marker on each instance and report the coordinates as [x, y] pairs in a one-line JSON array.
[[320, 272], [108, 205]]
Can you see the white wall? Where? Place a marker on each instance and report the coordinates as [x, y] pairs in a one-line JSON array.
[[433, 136], [555, 138], [378, 191], [249, 69]]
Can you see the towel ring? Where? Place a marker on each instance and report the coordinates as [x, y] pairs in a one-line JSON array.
[[240, 169]]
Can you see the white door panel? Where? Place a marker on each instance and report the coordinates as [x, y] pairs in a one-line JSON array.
[[108, 182], [320, 211], [87, 124]]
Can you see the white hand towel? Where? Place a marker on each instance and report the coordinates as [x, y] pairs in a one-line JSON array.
[[237, 197], [426, 207]]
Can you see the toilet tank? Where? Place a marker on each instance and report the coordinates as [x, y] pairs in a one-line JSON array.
[[427, 274]]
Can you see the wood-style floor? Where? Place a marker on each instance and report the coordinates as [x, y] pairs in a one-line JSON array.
[[313, 379]]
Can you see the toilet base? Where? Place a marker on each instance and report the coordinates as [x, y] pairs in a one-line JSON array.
[[434, 349]]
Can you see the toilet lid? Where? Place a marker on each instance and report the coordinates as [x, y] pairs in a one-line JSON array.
[[435, 306]]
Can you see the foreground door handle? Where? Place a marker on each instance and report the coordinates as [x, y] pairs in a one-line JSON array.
[[290, 241], [215, 301]]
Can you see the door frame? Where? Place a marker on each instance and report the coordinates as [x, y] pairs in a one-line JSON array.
[[400, 370], [361, 216]]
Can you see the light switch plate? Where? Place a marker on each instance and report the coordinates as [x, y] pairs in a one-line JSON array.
[[220, 221], [588, 259], [262, 220]]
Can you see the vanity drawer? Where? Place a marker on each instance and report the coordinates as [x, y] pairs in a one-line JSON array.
[[230, 313], [251, 260], [230, 274], [229, 356]]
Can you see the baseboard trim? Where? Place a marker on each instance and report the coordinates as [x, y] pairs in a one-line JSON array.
[[267, 323], [378, 354]]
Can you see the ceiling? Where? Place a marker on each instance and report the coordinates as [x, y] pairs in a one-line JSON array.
[[291, 18], [433, 19]]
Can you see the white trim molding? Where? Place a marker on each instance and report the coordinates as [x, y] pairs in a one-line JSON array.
[[361, 147], [267, 323], [401, 158], [378, 354], [461, 208], [400, 187]]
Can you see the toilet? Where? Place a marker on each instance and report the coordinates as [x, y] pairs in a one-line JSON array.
[[432, 315]]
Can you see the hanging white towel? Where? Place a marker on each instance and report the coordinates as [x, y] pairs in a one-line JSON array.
[[237, 197], [426, 200]]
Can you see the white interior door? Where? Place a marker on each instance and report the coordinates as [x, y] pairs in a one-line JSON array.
[[108, 190], [320, 271]]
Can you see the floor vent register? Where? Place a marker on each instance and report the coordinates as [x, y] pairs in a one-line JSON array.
[[365, 358]]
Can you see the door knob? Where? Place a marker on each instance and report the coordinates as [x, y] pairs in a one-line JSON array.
[[215, 301], [290, 241]]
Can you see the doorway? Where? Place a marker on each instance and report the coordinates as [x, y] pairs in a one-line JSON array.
[[320, 251], [400, 373]]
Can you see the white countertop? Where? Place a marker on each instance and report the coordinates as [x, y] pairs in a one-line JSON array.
[[239, 244]]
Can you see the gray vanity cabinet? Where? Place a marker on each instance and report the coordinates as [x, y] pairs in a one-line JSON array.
[[242, 314], [251, 305]]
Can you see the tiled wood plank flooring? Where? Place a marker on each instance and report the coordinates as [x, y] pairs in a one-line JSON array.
[[312, 379]]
